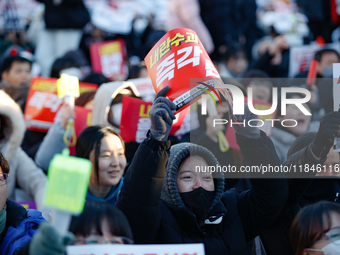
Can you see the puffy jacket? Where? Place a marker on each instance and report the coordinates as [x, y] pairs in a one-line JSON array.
[[156, 212], [24, 171], [21, 225]]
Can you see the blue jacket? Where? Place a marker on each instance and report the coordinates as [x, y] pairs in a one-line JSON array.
[[111, 197], [21, 225]]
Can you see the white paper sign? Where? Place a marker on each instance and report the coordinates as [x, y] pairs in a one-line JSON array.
[[111, 249], [300, 57], [112, 20], [145, 88], [336, 98]]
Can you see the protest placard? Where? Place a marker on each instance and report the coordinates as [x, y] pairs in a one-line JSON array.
[[165, 249], [43, 102], [108, 58], [82, 121], [135, 128], [176, 58], [113, 20], [145, 88], [300, 57], [336, 98]]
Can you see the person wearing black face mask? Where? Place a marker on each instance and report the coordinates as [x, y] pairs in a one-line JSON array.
[[168, 201]]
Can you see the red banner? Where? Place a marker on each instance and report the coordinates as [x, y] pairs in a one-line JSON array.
[[135, 127], [178, 57], [108, 58], [82, 121], [43, 102]]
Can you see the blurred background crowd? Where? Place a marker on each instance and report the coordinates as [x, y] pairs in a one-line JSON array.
[[252, 43]]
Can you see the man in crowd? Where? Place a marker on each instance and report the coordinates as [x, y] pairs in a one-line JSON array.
[[16, 78]]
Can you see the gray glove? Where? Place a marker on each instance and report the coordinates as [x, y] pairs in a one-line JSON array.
[[161, 116], [47, 241], [244, 129]]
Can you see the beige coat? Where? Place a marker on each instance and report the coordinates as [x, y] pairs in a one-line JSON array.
[[186, 14], [23, 170]]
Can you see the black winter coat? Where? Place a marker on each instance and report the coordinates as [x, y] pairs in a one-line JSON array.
[[275, 238], [69, 14], [236, 218]]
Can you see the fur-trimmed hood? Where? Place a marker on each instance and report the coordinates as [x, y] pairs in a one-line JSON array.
[[104, 99], [14, 127]]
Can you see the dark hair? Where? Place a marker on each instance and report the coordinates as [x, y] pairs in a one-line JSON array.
[[61, 64], [90, 139], [8, 62], [95, 78], [301, 142], [311, 223], [234, 50], [84, 98], [134, 71], [318, 54], [254, 73], [4, 164], [92, 217]]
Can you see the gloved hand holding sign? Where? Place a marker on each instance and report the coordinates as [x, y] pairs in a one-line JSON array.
[[161, 116], [244, 129]]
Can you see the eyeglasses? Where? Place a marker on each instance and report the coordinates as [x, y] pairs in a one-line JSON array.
[[333, 235], [3, 179], [96, 239]]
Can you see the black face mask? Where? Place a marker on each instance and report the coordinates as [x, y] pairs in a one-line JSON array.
[[199, 201]]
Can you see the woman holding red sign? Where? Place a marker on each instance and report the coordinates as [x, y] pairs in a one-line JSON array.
[[166, 199]]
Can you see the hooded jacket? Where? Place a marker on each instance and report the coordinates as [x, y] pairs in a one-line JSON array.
[[17, 93], [23, 171], [105, 97], [156, 212]]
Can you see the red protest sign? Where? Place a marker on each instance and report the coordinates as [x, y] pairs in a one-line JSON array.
[[176, 58], [82, 121], [43, 102], [135, 127], [108, 58], [265, 126]]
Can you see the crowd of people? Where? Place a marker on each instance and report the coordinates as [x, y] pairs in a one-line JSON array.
[[151, 192]]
